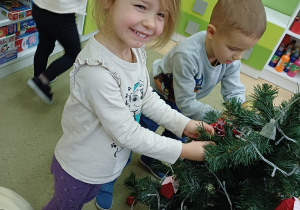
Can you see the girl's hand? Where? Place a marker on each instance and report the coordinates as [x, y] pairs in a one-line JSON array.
[[192, 131], [194, 150]]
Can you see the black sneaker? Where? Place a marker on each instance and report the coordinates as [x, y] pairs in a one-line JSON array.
[[43, 91], [53, 80]]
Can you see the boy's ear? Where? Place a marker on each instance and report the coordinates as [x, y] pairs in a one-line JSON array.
[[210, 31]]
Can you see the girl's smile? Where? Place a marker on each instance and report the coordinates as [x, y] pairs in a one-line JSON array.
[[140, 34]]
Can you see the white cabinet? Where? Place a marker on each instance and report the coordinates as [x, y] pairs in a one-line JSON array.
[[282, 79]]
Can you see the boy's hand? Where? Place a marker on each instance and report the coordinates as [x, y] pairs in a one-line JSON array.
[[194, 150], [192, 131]]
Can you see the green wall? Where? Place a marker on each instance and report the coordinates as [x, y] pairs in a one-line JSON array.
[[284, 6], [263, 49], [89, 22]]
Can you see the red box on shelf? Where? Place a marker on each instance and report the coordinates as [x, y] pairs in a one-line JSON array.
[[27, 40], [295, 27], [24, 31], [14, 9]]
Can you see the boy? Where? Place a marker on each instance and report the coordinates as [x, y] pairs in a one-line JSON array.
[[198, 63]]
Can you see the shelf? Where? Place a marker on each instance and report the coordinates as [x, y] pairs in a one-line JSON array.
[[269, 73], [281, 79], [289, 32], [5, 21], [21, 55], [277, 18], [295, 79]]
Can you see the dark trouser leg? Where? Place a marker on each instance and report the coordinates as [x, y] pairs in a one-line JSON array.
[[152, 126], [46, 41], [60, 27], [69, 39]]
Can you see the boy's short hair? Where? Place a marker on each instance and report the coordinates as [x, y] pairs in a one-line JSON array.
[[171, 11], [246, 16]]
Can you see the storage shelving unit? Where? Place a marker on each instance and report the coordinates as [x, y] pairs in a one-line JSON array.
[[282, 79], [25, 58], [254, 62]]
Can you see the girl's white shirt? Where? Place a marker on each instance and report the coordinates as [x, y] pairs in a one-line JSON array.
[[100, 118], [63, 6]]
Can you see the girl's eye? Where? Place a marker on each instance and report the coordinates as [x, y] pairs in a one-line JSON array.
[[161, 15], [232, 49], [141, 7]]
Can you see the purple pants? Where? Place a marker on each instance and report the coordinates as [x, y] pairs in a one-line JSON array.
[[69, 193]]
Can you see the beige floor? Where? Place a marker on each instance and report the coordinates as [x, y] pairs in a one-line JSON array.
[[29, 130]]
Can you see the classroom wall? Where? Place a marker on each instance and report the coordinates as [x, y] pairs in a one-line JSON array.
[[284, 6]]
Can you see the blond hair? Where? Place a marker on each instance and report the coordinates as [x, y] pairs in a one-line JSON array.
[[246, 16], [171, 11]]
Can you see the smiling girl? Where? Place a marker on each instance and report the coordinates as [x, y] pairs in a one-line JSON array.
[[109, 90]]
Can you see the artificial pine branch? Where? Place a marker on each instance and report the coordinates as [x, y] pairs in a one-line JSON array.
[[237, 115], [244, 169], [234, 152], [263, 98]]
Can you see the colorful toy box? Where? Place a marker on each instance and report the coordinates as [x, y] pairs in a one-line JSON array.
[[20, 26], [8, 56], [28, 30], [7, 43], [3, 31], [27, 40], [14, 9]]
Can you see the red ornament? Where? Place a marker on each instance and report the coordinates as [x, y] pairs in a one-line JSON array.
[[167, 190], [130, 200], [286, 204], [236, 133], [219, 128], [169, 187]]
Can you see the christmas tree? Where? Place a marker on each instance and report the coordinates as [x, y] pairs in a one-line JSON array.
[[254, 163]]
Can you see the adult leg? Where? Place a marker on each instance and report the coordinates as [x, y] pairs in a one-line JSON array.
[[52, 27], [69, 193], [44, 23], [68, 37], [46, 40]]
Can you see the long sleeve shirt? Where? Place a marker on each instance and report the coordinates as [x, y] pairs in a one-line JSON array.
[[100, 118], [184, 75]]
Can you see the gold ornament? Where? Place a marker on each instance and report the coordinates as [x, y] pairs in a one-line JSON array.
[[248, 105]]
